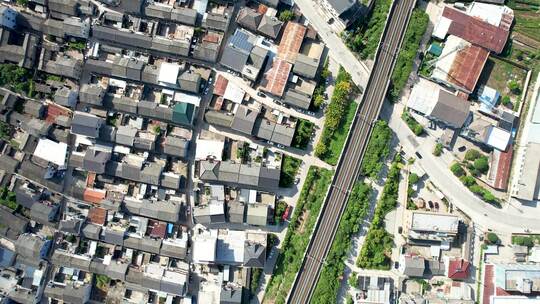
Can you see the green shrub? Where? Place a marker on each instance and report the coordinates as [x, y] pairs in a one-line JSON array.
[[505, 100], [523, 241], [364, 39], [302, 136], [457, 170], [286, 15], [492, 238], [289, 169], [514, 87], [353, 280], [472, 154], [437, 151], [481, 164], [413, 178]]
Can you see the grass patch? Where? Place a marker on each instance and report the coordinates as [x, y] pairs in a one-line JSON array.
[[289, 169], [364, 38], [377, 150], [404, 63], [498, 74], [304, 129], [339, 116], [297, 237], [412, 123], [254, 281], [357, 209], [527, 18], [8, 198], [526, 240], [375, 253]]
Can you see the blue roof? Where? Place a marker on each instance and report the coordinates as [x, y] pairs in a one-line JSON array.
[[6, 257], [240, 40]]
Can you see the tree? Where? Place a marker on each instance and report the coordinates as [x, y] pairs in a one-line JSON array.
[[413, 178], [472, 154], [437, 151], [523, 241], [457, 170], [492, 238], [353, 280], [476, 189], [286, 15], [481, 164], [505, 101], [468, 180], [514, 87], [318, 101], [418, 130], [489, 197]]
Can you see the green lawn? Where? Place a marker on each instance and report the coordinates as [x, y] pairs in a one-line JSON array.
[[298, 234], [527, 17]]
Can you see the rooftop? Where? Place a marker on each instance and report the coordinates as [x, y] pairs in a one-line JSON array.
[[434, 222]]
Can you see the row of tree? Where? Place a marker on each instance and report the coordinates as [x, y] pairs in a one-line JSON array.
[[404, 63], [357, 209], [378, 243], [296, 240], [335, 112]]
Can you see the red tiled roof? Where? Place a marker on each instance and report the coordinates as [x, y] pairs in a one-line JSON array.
[[503, 169], [458, 269], [94, 195], [54, 111], [291, 41], [220, 86], [275, 79], [467, 67], [478, 31], [489, 285], [212, 38], [97, 215], [261, 9], [501, 292], [90, 179], [158, 230]]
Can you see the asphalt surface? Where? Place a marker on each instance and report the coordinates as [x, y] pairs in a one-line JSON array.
[[349, 164]]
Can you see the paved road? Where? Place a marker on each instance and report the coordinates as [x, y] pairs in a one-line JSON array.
[[337, 49], [349, 164], [482, 214]]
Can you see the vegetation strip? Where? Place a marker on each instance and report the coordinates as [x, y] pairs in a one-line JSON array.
[[378, 243], [297, 237], [339, 116], [356, 210], [365, 38], [404, 63]]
